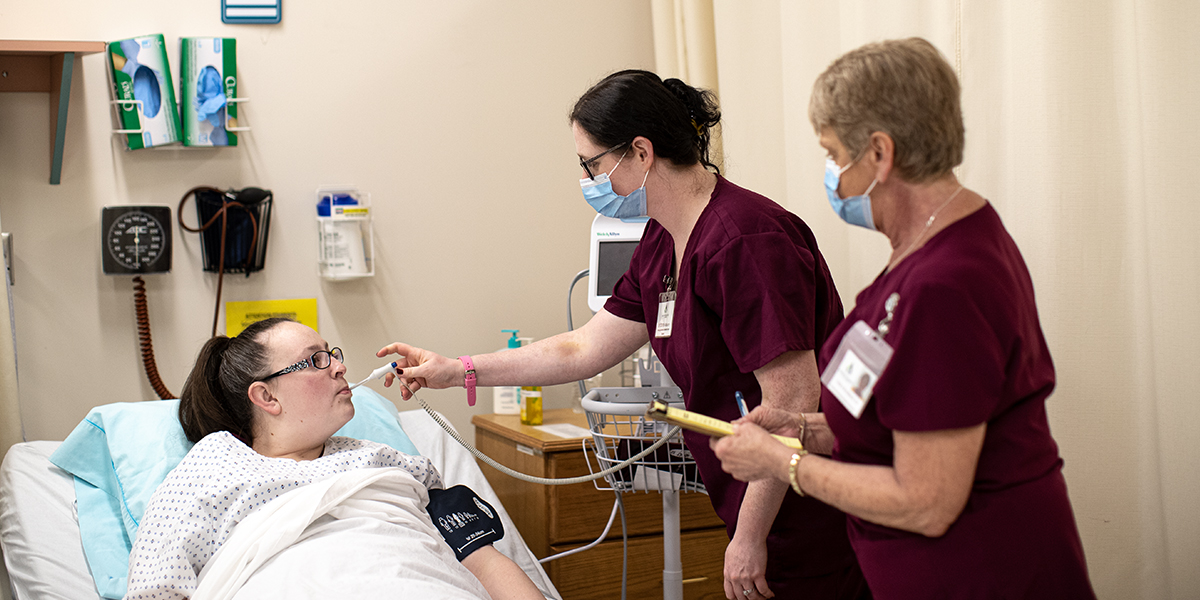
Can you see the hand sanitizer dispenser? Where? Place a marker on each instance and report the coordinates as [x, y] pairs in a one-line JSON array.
[[505, 397]]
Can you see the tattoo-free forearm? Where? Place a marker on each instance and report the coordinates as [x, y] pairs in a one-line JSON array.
[[818, 438], [601, 343]]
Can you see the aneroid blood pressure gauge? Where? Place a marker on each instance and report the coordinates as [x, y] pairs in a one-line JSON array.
[[136, 239]]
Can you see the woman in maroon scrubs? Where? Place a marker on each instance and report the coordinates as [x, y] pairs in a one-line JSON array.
[[753, 300], [941, 455]]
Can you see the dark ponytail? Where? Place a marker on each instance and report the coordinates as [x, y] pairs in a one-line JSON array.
[[676, 117], [215, 396]]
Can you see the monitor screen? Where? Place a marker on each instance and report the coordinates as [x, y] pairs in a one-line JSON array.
[[613, 262], [612, 244]]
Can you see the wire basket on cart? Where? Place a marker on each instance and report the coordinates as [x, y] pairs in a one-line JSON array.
[[620, 429]]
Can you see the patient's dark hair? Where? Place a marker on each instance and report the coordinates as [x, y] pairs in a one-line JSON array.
[[215, 397], [676, 117]]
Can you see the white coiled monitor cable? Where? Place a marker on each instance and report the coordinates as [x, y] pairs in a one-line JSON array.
[[530, 478]]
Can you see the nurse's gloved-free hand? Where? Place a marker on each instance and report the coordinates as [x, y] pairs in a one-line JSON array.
[[422, 369], [746, 569], [775, 420], [751, 454]]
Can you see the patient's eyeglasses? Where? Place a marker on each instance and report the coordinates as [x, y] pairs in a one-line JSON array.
[[586, 164], [320, 359]]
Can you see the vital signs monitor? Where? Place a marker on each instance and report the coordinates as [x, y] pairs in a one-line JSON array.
[[612, 246]]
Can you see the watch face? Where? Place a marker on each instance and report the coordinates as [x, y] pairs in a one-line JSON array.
[[137, 241]]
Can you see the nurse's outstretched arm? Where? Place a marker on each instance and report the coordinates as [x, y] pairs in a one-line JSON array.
[[500, 576], [601, 343]]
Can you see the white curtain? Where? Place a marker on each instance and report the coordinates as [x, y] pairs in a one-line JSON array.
[[1081, 117], [685, 48]]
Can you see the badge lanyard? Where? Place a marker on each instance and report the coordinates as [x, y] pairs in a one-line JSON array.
[[666, 309], [861, 357]]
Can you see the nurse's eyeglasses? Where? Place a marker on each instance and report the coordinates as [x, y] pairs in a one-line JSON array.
[[587, 164], [320, 359]]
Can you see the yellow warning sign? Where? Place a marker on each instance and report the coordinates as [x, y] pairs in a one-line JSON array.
[[239, 315]]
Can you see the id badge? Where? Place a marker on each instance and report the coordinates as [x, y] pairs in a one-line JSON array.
[[666, 314], [861, 357]]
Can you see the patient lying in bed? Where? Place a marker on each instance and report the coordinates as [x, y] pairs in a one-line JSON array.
[[267, 504]]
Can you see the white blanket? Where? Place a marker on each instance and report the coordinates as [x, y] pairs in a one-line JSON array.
[[37, 521], [360, 534]]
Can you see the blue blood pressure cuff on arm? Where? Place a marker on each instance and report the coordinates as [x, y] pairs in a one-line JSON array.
[[466, 521]]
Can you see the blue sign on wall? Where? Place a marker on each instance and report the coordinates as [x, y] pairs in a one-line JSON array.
[[251, 11]]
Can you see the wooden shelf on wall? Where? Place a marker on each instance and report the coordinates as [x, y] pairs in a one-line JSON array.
[[45, 66]]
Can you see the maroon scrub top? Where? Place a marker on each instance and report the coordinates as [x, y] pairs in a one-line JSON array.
[[751, 285], [968, 350]]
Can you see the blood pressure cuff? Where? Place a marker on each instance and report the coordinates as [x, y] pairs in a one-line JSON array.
[[466, 521]]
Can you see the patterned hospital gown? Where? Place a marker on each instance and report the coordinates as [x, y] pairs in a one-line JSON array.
[[219, 483]]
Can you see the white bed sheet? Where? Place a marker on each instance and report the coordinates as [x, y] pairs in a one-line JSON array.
[[40, 542], [39, 534]]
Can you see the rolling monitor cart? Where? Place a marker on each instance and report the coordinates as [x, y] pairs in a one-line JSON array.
[[620, 429]]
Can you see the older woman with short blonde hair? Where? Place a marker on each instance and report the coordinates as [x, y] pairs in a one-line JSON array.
[[934, 387]]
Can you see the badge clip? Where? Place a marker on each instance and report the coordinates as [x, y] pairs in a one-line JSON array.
[[890, 306]]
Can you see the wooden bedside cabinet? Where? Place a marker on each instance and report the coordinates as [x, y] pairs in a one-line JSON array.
[[557, 518]]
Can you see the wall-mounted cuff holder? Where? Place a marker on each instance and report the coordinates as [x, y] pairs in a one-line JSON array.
[[345, 233], [247, 223]]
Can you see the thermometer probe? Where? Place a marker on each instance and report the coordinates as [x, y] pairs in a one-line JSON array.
[[376, 374]]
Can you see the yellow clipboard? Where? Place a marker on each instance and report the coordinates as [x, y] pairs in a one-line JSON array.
[[660, 411]]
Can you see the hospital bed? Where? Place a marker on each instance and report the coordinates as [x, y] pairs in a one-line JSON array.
[[40, 534]]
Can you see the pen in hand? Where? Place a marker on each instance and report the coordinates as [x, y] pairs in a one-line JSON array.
[[741, 402]]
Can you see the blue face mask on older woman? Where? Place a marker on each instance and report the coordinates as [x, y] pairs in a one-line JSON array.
[[599, 194], [855, 210]]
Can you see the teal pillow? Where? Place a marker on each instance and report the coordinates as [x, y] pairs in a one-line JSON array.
[[121, 452]]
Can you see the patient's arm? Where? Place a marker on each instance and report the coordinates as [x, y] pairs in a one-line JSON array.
[[500, 576]]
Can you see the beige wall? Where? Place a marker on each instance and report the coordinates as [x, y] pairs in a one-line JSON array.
[[451, 114]]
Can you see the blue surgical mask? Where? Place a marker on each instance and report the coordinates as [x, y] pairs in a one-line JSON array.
[[599, 194], [855, 210]]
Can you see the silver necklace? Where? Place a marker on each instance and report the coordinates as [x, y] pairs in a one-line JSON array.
[[928, 224]]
